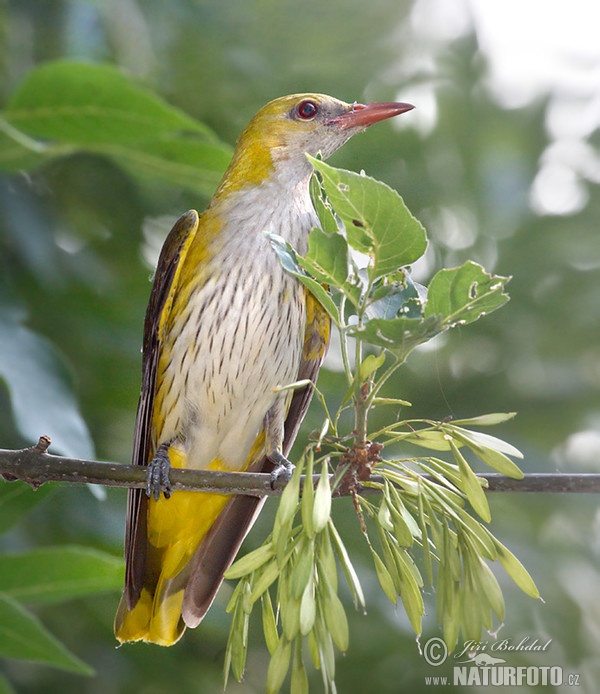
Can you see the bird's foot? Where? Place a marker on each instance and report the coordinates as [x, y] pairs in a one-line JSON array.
[[157, 477], [283, 468]]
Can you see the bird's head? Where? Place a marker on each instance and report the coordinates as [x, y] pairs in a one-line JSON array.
[[280, 135]]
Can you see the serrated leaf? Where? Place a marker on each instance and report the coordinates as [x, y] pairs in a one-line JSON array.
[[376, 219], [55, 574], [464, 294], [24, 637]]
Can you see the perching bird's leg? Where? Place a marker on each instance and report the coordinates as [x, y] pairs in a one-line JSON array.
[[273, 424], [283, 468], [157, 477]]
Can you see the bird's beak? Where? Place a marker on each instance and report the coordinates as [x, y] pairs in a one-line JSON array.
[[363, 115]]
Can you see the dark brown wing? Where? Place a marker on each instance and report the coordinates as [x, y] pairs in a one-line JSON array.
[[172, 254], [220, 546]]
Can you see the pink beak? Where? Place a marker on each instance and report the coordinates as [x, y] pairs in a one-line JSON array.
[[363, 115]]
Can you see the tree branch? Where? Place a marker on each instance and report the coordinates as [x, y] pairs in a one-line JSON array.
[[35, 467]]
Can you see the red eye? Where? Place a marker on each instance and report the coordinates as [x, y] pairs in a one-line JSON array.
[[307, 109]]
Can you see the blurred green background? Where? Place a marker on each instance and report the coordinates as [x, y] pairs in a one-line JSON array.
[[499, 160]]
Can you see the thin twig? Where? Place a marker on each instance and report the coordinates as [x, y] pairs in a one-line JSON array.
[[35, 467]]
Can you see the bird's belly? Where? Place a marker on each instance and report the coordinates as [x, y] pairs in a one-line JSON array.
[[241, 338]]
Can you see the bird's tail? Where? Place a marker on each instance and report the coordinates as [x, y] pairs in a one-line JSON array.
[[176, 527]]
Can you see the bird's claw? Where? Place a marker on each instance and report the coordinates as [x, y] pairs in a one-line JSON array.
[[283, 468], [157, 477]]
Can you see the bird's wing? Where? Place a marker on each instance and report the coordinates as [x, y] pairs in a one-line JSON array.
[[219, 548], [170, 262]]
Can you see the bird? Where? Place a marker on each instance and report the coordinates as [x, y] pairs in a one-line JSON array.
[[226, 326]]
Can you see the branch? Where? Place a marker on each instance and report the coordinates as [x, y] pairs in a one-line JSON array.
[[35, 467]]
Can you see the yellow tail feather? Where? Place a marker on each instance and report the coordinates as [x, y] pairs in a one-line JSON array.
[[176, 527]]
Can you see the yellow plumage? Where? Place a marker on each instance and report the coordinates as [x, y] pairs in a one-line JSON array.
[[225, 326]]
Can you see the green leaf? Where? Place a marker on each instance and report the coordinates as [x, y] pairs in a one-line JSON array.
[[397, 295], [488, 449], [18, 498], [336, 620], [41, 391], [384, 577], [56, 574], [463, 294], [6, 687], [269, 623], [471, 485], [308, 497], [410, 592], [398, 334], [480, 439], [516, 570], [347, 567], [251, 562], [327, 257], [63, 107], [303, 567], [290, 262], [485, 420], [433, 439], [278, 666], [322, 502], [298, 679], [376, 219], [268, 574], [491, 589], [308, 607], [369, 365], [24, 637]]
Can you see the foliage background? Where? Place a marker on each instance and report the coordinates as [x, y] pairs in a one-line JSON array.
[[502, 176]]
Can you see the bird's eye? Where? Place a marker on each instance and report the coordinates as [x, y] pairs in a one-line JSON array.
[[307, 109]]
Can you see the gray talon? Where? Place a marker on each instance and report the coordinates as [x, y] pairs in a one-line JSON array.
[[157, 477], [283, 468]]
